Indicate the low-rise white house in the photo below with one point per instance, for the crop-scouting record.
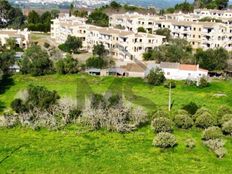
(177, 71)
(22, 37)
(172, 71)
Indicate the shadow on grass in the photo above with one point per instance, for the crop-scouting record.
(5, 84)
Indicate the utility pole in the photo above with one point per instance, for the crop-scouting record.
(170, 97)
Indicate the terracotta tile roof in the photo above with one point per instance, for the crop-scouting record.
(187, 67)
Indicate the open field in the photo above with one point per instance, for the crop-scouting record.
(134, 89)
(76, 150)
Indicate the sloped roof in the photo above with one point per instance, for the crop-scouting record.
(188, 67)
(134, 67)
(169, 65)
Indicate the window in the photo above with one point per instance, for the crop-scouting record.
(168, 73)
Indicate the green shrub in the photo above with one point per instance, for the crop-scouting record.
(96, 62)
(220, 152)
(212, 133)
(162, 124)
(225, 118)
(205, 120)
(170, 82)
(227, 127)
(191, 108)
(182, 112)
(201, 111)
(74, 113)
(156, 77)
(41, 97)
(214, 144)
(190, 143)
(160, 113)
(164, 140)
(190, 83)
(203, 82)
(223, 110)
(18, 106)
(183, 121)
(217, 146)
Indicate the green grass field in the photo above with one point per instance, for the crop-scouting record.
(76, 150)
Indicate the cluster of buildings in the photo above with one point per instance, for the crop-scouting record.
(122, 44)
(172, 71)
(22, 37)
(213, 33)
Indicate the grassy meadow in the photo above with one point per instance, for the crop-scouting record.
(78, 150)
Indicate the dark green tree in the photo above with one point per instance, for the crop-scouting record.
(212, 59)
(71, 45)
(141, 29)
(96, 62)
(7, 58)
(99, 50)
(40, 97)
(10, 15)
(98, 18)
(67, 65)
(33, 17)
(36, 61)
(156, 77)
(115, 5)
(164, 32)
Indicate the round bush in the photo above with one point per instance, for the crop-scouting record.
(168, 83)
(164, 140)
(201, 111)
(182, 112)
(191, 108)
(204, 120)
(223, 110)
(212, 133)
(227, 127)
(220, 152)
(190, 143)
(160, 113)
(162, 125)
(225, 118)
(183, 121)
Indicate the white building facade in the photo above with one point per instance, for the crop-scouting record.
(121, 44)
(185, 26)
(22, 37)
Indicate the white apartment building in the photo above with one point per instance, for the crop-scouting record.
(22, 37)
(213, 13)
(122, 44)
(186, 26)
(132, 21)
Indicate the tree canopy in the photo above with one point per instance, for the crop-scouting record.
(178, 50)
(99, 50)
(99, 18)
(7, 58)
(212, 59)
(68, 65)
(10, 16)
(71, 45)
(36, 61)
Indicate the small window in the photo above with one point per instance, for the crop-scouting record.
(168, 73)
